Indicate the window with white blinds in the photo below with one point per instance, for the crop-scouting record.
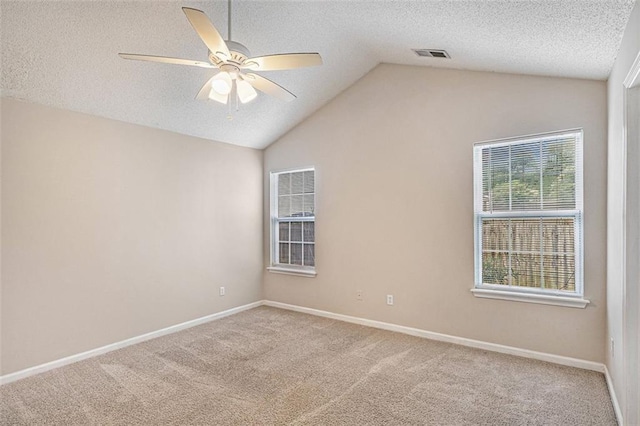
(293, 220)
(528, 214)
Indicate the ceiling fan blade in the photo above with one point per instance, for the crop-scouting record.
(204, 92)
(166, 60)
(269, 87)
(284, 61)
(207, 32)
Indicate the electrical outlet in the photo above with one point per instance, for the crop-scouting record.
(222, 291)
(389, 299)
(359, 295)
(612, 349)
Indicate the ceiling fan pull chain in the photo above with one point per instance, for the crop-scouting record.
(236, 96)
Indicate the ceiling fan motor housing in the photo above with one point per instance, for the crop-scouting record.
(239, 53)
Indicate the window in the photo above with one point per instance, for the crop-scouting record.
(293, 222)
(528, 219)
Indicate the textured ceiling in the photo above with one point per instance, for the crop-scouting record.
(64, 54)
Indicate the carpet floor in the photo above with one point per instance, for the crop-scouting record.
(269, 366)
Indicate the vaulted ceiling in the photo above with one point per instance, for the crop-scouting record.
(64, 54)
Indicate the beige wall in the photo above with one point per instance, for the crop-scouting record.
(629, 49)
(111, 230)
(393, 158)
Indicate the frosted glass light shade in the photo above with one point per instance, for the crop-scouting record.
(221, 83)
(215, 96)
(246, 92)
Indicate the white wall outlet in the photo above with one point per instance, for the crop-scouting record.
(612, 348)
(389, 299)
(359, 295)
(222, 291)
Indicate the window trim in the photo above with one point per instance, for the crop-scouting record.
(274, 266)
(531, 297)
(529, 294)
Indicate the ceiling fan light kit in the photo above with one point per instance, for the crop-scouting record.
(222, 83)
(231, 61)
(246, 92)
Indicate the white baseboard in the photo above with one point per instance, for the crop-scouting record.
(557, 359)
(614, 398)
(494, 347)
(12, 377)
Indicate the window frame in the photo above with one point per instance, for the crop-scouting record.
(519, 293)
(274, 221)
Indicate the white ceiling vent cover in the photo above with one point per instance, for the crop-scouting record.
(432, 53)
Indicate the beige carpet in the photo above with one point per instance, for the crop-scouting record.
(268, 366)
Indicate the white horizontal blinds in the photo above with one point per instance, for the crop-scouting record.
(559, 254)
(308, 189)
(296, 194)
(529, 252)
(525, 176)
(283, 241)
(559, 171)
(525, 238)
(309, 240)
(295, 218)
(495, 177)
(284, 195)
(296, 243)
(537, 175)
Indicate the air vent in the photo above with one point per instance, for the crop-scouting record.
(432, 53)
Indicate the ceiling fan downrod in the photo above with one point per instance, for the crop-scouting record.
(229, 20)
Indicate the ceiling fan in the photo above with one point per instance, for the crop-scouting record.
(232, 62)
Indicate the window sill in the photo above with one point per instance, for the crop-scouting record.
(545, 299)
(310, 273)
